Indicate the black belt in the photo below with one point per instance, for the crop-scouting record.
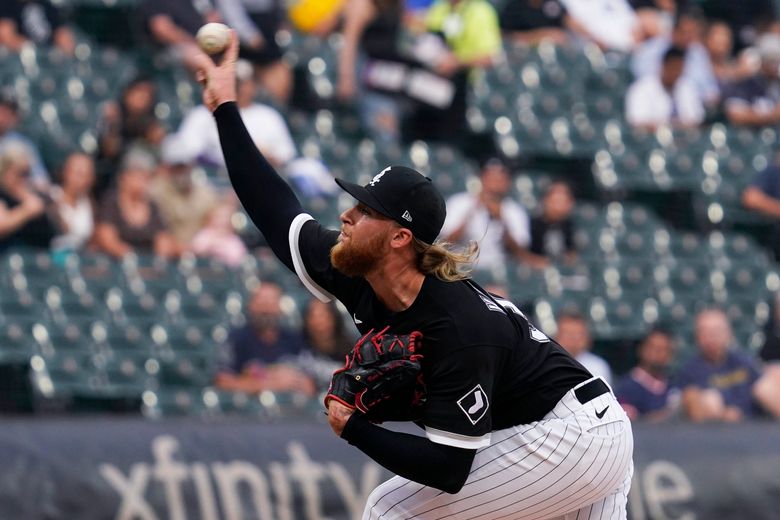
(591, 390)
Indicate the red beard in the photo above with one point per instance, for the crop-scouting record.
(358, 259)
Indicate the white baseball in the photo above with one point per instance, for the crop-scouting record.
(213, 37)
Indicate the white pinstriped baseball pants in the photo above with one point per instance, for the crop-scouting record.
(570, 465)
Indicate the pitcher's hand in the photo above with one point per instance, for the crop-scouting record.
(218, 80)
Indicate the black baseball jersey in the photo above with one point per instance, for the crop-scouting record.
(483, 370)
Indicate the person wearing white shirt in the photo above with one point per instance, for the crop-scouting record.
(669, 98)
(198, 131)
(573, 334)
(490, 218)
(612, 24)
(687, 35)
(74, 204)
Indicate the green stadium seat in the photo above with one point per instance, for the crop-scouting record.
(52, 338)
(747, 309)
(18, 306)
(182, 369)
(735, 248)
(525, 284)
(128, 306)
(123, 336)
(125, 373)
(682, 247)
(184, 338)
(549, 307)
(64, 374)
(221, 402)
(740, 279)
(17, 344)
(66, 306)
(626, 276)
(617, 319)
(682, 280)
(173, 402)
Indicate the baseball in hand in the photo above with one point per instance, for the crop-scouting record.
(213, 38)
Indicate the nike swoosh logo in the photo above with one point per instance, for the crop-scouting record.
(357, 321)
(476, 406)
(602, 412)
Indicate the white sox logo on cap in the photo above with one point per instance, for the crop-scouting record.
(404, 195)
(378, 176)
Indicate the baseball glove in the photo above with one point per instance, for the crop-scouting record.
(382, 377)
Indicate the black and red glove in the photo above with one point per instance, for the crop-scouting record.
(382, 377)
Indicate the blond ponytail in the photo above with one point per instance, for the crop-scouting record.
(445, 263)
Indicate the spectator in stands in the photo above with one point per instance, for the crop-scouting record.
(75, 206)
(34, 21)
(655, 17)
(197, 134)
(763, 197)
(755, 101)
(646, 392)
(770, 351)
(722, 383)
(9, 119)
(256, 22)
(124, 121)
(26, 215)
(687, 35)
(172, 25)
(327, 339)
(218, 238)
(534, 21)
(574, 335)
(552, 231)
(257, 356)
(128, 220)
(668, 99)
(472, 35)
(490, 218)
(611, 24)
(747, 18)
(184, 201)
(149, 143)
(727, 68)
(371, 30)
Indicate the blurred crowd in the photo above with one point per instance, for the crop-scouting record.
(406, 66)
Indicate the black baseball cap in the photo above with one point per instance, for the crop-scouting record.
(406, 196)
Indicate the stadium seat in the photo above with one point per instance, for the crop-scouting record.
(17, 344)
(735, 248)
(186, 338)
(18, 306)
(172, 402)
(525, 284)
(221, 402)
(52, 338)
(125, 373)
(617, 319)
(128, 306)
(64, 374)
(64, 306)
(682, 280)
(182, 369)
(548, 308)
(112, 336)
(624, 276)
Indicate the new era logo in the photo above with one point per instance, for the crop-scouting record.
(407, 216)
(474, 404)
